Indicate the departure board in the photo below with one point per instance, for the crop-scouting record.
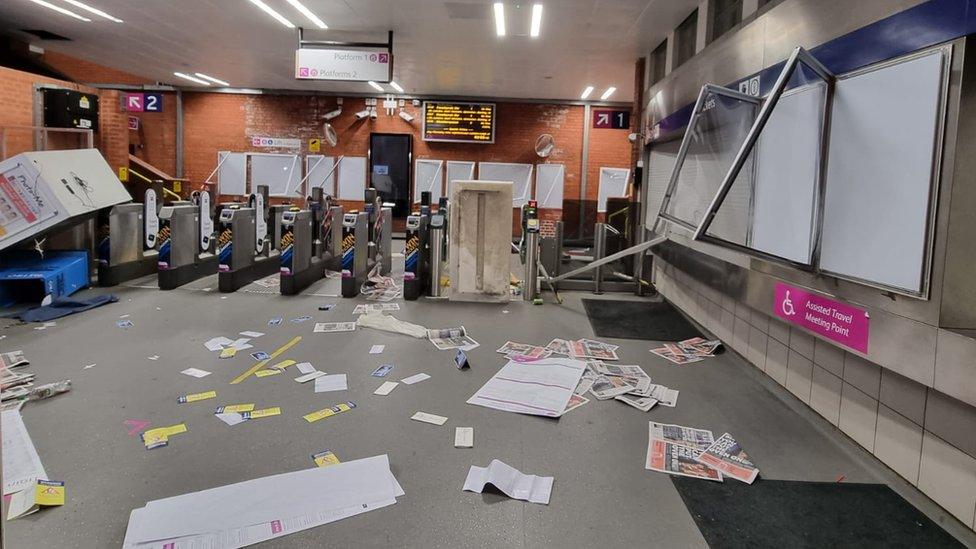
(459, 122)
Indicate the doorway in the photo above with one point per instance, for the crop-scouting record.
(390, 161)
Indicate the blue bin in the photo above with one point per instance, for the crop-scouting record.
(27, 277)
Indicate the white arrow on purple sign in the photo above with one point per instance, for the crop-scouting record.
(603, 119)
(133, 102)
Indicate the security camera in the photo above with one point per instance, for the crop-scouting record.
(333, 114)
(633, 137)
(406, 116)
(362, 114)
(372, 113)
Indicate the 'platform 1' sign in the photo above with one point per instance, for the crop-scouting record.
(611, 119)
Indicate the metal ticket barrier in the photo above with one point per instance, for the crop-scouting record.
(415, 256)
(443, 208)
(243, 249)
(530, 251)
(185, 242)
(355, 250)
(127, 241)
(436, 252)
(309, 243)
(383, 239)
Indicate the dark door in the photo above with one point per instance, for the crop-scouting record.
(390, 159)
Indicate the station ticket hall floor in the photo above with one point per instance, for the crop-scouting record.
(602, 494)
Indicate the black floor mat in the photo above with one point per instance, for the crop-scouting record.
(779, 513)
(638, 320)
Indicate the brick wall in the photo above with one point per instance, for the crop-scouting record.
(215, 122)
(17, 99)
(87, 72)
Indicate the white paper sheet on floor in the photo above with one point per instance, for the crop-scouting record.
(509, 480)
(387, 323)
(541, 387)
(248, 512)
(21, 464)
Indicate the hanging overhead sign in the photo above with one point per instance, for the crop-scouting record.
(360, 65)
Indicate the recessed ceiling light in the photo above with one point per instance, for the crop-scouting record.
(96, 11)
(499, 18)
(396, 86)
(586, 92)
(278, 17)
(607, 93)
(192, 78)
(308, 13)
(211, 79)
(376, 86)
(59, 9)
(536, 20)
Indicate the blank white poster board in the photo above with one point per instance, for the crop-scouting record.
(352, 178)
(428, 176)
(660, 165)
(519, 174)
(549, 182)
(282, 173)
(320, 173)
(613, 184)
(787, 170)
(458, 170)
(879, 176)
(232, 174)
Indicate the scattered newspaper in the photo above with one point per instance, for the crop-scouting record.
(452, 338)
(329, 327)
(674, 449)
(641, 403)
(586, 348)
(607, 387)
(633, 374)
(585, 383)
(560, 347)
(364, 308)
(664, 396)
(575, 401)
(688, 351)
(730, 459)
(523, 349)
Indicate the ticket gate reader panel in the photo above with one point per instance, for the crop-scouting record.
(124, 251)
(180, 258)
(355, 249)
(415, 257)
(239, 262)
(298, 267)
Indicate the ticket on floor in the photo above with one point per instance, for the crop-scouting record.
(429, 418)
(196, 396)
(266, 412)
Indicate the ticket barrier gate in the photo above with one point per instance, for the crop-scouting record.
(310, 244)
(355, 252)
(185, 243)
(127, 241)
(243, 250)
(415, 256)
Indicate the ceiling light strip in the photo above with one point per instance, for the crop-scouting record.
(308, 14)
(536, 27)
(96, 11)
(586, 92)
(396, 86)
(192, 78)
(211, 79)
(376, 86)
(606, 95)
(277, 16)
(59, 9)
(499, 8)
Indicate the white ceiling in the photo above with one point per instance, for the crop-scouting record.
(440, 47)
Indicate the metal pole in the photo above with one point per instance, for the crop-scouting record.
(599, 249)
(587, 113)
(530, 288)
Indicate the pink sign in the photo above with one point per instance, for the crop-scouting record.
(276, 527)
(830, 319)
(134, 102)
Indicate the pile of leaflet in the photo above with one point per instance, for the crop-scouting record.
(261, 509)
(689, 350)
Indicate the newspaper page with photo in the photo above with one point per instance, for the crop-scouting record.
(727, 456)
(674, 459)
(699, 439)
(452, 338)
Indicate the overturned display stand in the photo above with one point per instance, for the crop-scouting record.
(481, 243)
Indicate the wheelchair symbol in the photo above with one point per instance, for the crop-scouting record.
(788, 305)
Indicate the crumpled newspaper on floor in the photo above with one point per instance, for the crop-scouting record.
(387, 323)
(380, 288)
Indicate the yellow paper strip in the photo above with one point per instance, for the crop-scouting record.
(228, 352)
(283, 364)
(267, 412)
(294, 341)
(266, 373)
(196, 397)
(234, 408)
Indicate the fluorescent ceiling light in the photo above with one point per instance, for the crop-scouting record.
(499, 19)
(90, 9)
(59, 9)
(211, 79)
(267, 9)
(192, 78)
(396, 86)
(586, 92)
(536, 20)
(376, 86)
(607, 93)
(307, 13)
